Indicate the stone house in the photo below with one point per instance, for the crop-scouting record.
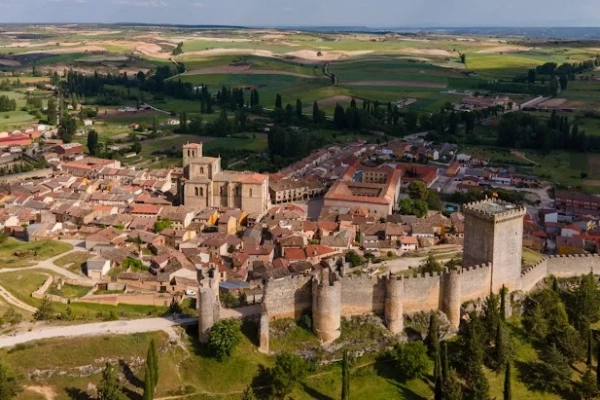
(98, 267)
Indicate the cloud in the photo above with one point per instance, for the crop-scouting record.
(197, 5)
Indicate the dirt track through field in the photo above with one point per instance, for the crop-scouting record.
(424, 84)
(245, 70)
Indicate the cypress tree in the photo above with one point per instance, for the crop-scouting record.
(503, 303)
(598, 367)
(432, 340)
(439, 389)
(500, 347)
(278, 101)
(148, 384)
(154, 354)
(346, 364)
(507, 388)
(589, 348)
(445, 368)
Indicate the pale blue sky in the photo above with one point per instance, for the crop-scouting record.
(372, 13)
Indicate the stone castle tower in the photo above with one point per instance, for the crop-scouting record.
(494, 235)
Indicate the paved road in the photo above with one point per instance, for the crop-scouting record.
(95, 329)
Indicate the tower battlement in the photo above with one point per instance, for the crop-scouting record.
(494, 210)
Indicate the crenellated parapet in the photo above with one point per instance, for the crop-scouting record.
(494, 210)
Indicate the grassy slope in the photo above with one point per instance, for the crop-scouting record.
(38, 251)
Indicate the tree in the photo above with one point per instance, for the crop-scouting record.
(531, 76)
(410, 120)
(453, 389)
(598, 368)
(45, 311)
(161, 225)
(507, 393)
(429, 266)
(490, 316)
(586, 299)
(109, 388)
(224, 337)
(249, 394)
(433, 336)
(587, 386)
(92, 142)
(148, 383)
(501, 351)
(411, 359)
(589, 348)
(67, 128)
(316, 114)
(347, 362)
(278, 102)
(555, 370)
(417, 190)
(288, 370)
(8, 382)
(339, 118)
(463, 58)
(299, 109)
(152, 361)
(444, 358)
(51, 111)
(503, 293)
(353, 258)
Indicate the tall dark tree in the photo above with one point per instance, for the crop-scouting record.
(503, 293)
(316, 113)
(346, 365)
(507, 393)
(153, 363)
(433, 339)
(598, 367)
(531, 76)
(278, 101)
(501, 348)
(51, 112)
(589, 348)
(339, 118)
(444, 356)
(491, 315)
(299, 110)
(148, 384)
(67, 128)
(92, 142)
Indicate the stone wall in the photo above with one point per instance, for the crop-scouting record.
(288, 297)
(421, 292)
(573, 265)
(532, 274)
(475, 282)
(362, 295)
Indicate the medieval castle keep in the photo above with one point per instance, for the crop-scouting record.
(492, 258)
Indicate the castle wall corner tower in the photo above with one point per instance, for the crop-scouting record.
(494, 234)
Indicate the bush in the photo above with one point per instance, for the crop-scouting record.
(411, 359)
(224, 337)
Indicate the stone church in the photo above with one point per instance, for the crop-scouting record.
(206, 185)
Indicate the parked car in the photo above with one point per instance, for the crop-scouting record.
(190, 292)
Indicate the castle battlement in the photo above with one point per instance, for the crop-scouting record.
(574, 256)
(532, 267)
(475, 267)
(494, 210)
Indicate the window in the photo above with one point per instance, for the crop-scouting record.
(202, 170)
(222, 190)
(196, 191)
(250, 193)
(189, 153)
(202, 192)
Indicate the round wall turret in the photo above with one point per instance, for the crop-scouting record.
(206, 312)
(326, 309)
(393, 308)
(451, 294)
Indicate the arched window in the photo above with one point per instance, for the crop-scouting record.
(202, 170)
(202, 192)
(222, 190)
(250, 193)
(189, 153)
(196, 191)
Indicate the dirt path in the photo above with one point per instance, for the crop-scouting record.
(46, 391)
(49, 265)
(522, 156)
(9, 298)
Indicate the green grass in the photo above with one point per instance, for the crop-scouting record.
(74, 261)
(69, 291)
(32, 251)
(531, 257)
(22, 284)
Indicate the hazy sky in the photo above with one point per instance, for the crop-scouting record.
(372, 13)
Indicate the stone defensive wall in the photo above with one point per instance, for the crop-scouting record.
(328, 297)
(563, 266)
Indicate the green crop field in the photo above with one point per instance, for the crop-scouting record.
(15, 253)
